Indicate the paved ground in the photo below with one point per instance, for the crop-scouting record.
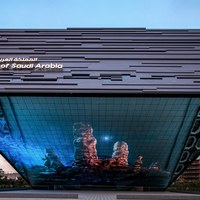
(94, 195)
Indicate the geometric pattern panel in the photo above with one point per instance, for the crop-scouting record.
(191, 149)
(94, 141)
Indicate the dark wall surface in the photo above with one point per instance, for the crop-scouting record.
(103, 60)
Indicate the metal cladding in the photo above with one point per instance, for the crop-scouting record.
(103, 60)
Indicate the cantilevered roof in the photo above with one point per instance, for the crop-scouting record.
(103, 60)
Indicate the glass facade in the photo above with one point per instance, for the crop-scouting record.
(94, 141)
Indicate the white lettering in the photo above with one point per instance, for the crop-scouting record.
(25, 59)
(6, 59)
(27, 63)
(22, 66)
(4, 66)
(49, 66)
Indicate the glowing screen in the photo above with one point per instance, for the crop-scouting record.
(109, 141)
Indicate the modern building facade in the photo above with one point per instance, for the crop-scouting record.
(108, 108)
(12, 175)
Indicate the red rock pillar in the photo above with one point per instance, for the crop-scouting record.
(119, 156)
(85, 145)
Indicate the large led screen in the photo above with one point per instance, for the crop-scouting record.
(95, 141)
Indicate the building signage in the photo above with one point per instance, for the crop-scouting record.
(27, 63)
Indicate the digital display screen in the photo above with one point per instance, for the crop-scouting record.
(108, 141)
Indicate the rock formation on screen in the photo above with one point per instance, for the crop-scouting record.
(87, 168)
(51, 160)
(120, 154)
(85, 152)
(138, 164)
(119, 157)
